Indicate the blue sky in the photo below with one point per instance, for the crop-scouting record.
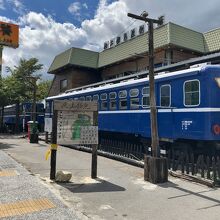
(48, 27)
(58, 9)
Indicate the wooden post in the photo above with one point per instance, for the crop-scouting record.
(94, 150)
(187, 163)
(202, 167)
(182, 162)
(208, 167)
(94, 162)
(214, 169)
(53, 146)
(46, 137)
(192, 165)
(218, 166)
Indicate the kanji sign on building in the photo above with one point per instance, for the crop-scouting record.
(9, 34)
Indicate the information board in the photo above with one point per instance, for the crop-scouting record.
(76, 124)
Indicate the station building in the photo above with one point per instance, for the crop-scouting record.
(176, 47)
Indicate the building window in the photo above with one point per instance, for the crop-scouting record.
(146, 97)
(192, 93)
(165, 95)
(63, 85)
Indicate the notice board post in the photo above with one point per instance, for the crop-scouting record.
(94, 150)
(75, 123)
(53, 146)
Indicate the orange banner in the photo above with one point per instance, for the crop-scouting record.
(9, 34)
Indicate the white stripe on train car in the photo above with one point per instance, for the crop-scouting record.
(163, 110)
(159, 110)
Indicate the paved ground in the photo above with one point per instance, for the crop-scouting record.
(118, 193)
(23, 196)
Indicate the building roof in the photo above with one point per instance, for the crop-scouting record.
(75, 56)
(166, 35)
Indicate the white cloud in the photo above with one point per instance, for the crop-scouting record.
(43, 38)
(75, 8)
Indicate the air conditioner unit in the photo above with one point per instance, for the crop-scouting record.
(118, 40)
(133, 33)
(112, 42)
(141, 29)
(106, 45)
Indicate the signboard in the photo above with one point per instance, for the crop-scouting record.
(9, 34)
(67, 105)
(76, 122)
(48, 125)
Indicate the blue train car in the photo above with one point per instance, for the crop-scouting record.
(188, 108)
(25, 111)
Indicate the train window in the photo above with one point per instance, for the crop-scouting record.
(104, 105)
(192, 93)
(165, 95)
(112, 95)
(113, 104)
(134, 92)
(82, 98)
(123, 104)
(146, 97)
(146, 91)
(95, 97)
(134, 103)
(103, 96)
(88, 98)
(122, 94)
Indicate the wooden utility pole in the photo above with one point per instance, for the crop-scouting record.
(153, 109)
(155, 168)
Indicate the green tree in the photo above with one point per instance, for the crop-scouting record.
(43, 89)
(20, 86)
(20, 82)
